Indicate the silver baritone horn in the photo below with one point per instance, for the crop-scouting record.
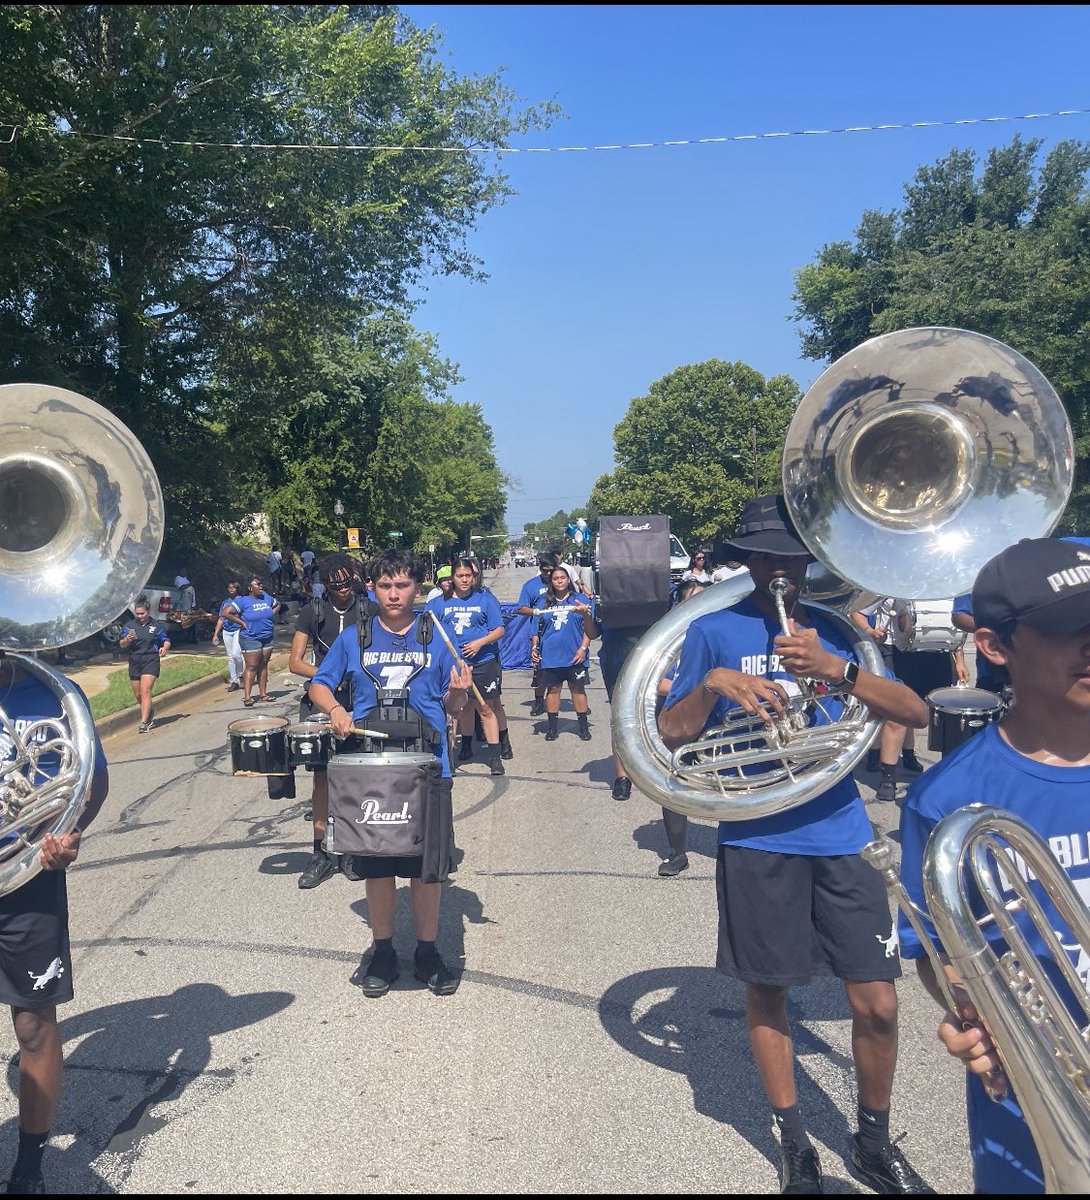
(1044, 1050)
(81, 526)
(910, 462)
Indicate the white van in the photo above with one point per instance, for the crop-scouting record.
(679, 558)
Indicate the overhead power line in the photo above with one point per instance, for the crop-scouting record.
(355, 148)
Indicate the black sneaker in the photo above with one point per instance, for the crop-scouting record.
(800, 1170)
(506, 753)
(320, 867)
(466, 751)
(674, 865)
(26, 1185)
(348, 867)
(887, 789)
(537, 708)
(552, 735)
(584, 734)
(232, 687)
(430, 969)
(495, 767)
(622, 789)
(888, 1171)
(911, 763)
(375, 975)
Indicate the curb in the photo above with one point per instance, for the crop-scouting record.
(176, 698)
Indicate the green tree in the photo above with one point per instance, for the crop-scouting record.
(703, 440)
(150, 227)
(1002, 248)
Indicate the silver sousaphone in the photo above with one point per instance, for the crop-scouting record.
(81, 526)
(911, 461)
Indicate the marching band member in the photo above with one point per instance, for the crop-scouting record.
(795, 898)
(435, 687)
(147, 644)
(319, 624)
(560, 645)
(1031, 607)
(529, 598)
(472, 617)
(35, 960)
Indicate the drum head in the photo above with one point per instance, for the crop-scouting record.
(382, 760)
(257, 724)
(963, 700)
(309, 729)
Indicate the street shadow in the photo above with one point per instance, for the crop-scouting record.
(700, 839)
(289, 862)
(600, 770)
(460, 907)
(692, 1020)
(127, 1059)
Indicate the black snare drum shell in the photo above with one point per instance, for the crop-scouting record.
(259, 746)
(956, 714)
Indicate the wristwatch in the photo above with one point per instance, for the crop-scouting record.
(848, 679)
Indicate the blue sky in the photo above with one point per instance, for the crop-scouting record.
(608, 270)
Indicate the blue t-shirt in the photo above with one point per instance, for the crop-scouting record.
(259, 614)
(741, 638)
(466, 620)
(391, 658)
(561, 629)
(532, 591)
(230, 621)
(1055, 801)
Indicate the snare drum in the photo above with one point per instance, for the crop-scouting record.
(956, 713)
(259, 746)
(309, 743)
(379, 803)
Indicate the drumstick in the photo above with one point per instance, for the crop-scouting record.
(438, 626)
(371, 733)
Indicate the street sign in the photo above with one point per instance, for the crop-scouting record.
(353, 538)
(396, 533)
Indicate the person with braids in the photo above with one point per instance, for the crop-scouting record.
(318, 625)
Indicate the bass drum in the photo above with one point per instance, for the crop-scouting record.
(259, 746)
(956, 713)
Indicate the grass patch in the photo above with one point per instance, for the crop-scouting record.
(117, 694)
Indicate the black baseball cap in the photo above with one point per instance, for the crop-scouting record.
(1040, 582)
(766, 528)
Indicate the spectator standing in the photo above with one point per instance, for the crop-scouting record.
(231, 630)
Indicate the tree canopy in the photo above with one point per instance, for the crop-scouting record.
(703, 440)
(1000, 247)
(180, 239)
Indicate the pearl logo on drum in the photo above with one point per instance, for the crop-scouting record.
(372, 814)
(630, 528)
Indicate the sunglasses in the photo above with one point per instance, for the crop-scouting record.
(339, 585)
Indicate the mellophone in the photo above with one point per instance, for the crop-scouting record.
(263, 746)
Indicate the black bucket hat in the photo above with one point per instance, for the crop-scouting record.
(766, 528)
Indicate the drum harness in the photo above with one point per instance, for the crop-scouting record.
(406, 730)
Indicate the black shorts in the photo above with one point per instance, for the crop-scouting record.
(786, 917)
(35, 959)
(924, 670)
(611, 658)
(143, 666)
(488, 676)
(555, 676)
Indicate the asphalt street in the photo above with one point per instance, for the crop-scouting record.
(217, 1045)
